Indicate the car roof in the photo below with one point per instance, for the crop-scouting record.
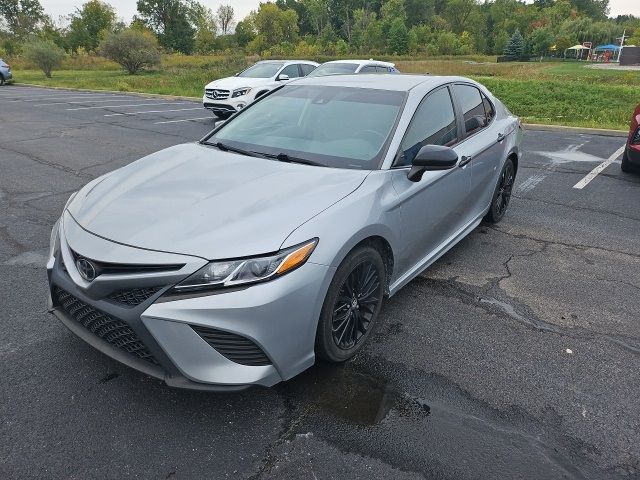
(400, 83)
(364, 62)
(287, 61)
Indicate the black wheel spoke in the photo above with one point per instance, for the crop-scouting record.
(356, 304)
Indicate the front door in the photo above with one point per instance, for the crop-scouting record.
(437, 206)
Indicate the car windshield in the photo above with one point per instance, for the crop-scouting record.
(334, 69)
(343, 127)
(261, 70)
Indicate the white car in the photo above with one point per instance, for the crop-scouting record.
(226, 96)
(350, 67)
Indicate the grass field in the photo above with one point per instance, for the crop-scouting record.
(561, 93)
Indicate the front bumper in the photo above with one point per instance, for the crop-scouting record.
(227, 106)
(278, 317)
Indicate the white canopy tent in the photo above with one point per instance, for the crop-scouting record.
(577, 48)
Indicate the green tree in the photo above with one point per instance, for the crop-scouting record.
(398, 37)
(595, 9)
(366, 35)
(500, 42)
(458, 13)
(245, 33)
(131, 49)
(44, 54)
(540, 41)
(275, 26)
(206, 29)
(89, 24)
(170, 19)
(515, 47)
(22, 17)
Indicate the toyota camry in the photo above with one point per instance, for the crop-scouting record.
(272, 242)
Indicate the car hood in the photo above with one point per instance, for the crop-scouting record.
(231, 83)
(196, 200)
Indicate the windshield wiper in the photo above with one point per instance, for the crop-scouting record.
(283, 157)
(227, 148)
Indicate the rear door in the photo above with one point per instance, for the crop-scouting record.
(437, 206)
(480, 144)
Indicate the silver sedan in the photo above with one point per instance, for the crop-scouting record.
(241, 259)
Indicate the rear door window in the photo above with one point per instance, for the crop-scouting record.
(307, 69)
(291, 71)
(472, 106)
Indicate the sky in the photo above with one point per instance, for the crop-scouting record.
(127, 8)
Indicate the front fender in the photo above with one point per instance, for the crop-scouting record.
(370, 211)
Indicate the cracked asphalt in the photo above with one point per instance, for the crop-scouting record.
(516, 355)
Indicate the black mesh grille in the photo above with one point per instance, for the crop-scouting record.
(108, 328)
(234, 347)
(134, 296)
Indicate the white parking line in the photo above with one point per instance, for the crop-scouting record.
(81, 102)
(210, 117)
(530, 183)
(152, 111)
(125, 106)
(75, 97)
(594, 173)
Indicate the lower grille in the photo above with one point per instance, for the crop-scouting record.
(234, 347)
(134, 296)
(106, 327)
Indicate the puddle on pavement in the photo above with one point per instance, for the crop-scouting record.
(357, 397)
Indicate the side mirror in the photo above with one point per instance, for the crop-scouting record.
(237, 74)
(282, 78)
(431, 158)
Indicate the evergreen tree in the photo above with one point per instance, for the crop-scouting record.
(515, 47)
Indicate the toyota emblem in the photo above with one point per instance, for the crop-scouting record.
(86, 269)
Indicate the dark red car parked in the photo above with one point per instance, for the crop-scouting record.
(631, 157)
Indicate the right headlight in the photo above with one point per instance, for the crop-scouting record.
(239, 92)
(230, 273)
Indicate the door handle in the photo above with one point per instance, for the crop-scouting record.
(501, 137)
(464, 160)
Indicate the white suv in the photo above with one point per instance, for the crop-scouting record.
(226, 96)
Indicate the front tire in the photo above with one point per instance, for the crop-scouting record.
(352, 305)
(502, 193)
(223, 116)
(1, 80)
(626, 166)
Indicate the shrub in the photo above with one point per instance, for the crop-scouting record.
(131, 49)
(44, 54)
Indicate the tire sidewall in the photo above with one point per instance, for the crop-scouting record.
(326, 348)
(493, 215)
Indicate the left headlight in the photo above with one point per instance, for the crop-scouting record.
(239, 92)
(230, 273)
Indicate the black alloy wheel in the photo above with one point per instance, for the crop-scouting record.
(351, 307)
(502, 193)
(355, 306)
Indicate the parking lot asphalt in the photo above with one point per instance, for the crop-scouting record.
(517, 355)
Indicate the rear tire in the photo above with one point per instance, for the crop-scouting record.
(626, 166)
(1, 80)
(351, 308)
(502, 193)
